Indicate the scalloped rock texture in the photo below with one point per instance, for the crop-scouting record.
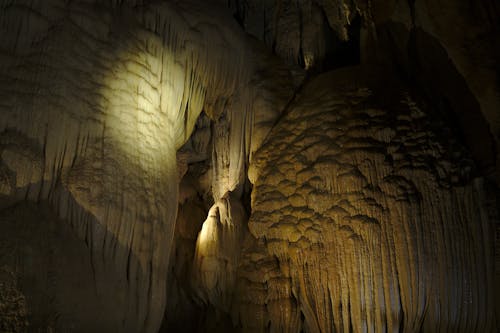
(450, 48)
(373, 228)
(341, 202)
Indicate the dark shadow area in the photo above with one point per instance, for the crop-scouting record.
(420, 60)
(344, 53)
(66, 285)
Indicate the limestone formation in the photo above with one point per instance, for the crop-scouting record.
(249, 166)
(357, 213)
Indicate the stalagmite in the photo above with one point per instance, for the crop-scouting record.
(218, 251)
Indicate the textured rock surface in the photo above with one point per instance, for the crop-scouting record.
(448, 50)
(307, 33)
(218, 251)
(372, 220)
(103, 98)
(338, 203)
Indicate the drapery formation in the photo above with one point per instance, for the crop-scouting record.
(342, 201)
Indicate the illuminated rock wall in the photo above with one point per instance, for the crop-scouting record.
(94, 103)
(369, 217)
(344, 202)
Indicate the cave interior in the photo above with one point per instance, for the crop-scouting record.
(249, 166)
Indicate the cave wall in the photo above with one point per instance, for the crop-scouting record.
(427, 46)
(448, 50)
(50, 280)
(96, 98)
(375, 227)
(363, 199)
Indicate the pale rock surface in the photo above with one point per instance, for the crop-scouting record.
(218, 251)
(365, 216)
(372, 224)
(105, 97)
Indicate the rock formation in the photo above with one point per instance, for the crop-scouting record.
(253, 166)
(345, 209)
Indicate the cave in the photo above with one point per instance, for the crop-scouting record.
(249, 166)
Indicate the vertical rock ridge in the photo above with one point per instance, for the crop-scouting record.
(109, 95)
